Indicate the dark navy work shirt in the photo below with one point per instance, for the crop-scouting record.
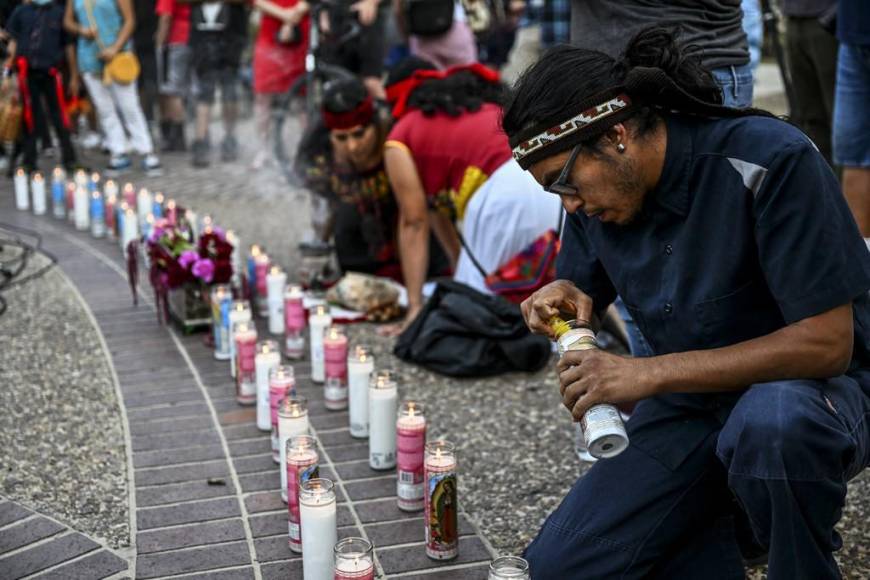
(39, 34)
(746, 232)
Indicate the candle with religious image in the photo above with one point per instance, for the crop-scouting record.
(221, 302)
(383, 407)
(318, 321)
(276, 281)
(37, 190)
(282, 384)
(508, 568)
(267, 358)
(360, 365)
(58, 190)
(440, 503)
(354, 559)
(261, 271)
(335, 369)
(22, 194)
(157, 206)
(240, 311)
(251, 273)
(294, 323)
(410, 443)
(317, 514)
(98, 215)
(302, 466)
(245, 338)
(292, 422)
(81, 208)
(172, 212)
(111, 203)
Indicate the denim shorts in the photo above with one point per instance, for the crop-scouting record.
(851, 139)
(736, 85)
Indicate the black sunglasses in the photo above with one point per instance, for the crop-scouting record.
(561, 185)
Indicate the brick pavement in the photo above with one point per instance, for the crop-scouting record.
(204, 489)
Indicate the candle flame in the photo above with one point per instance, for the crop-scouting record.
(111, 198)
(128, 186)
(437, 453)
(158, 197)
(20, 172)
(255, 250)
(58, 172)
(275, 270)
(150, 218)
(143, 191)
(411, 409)
(37, 176)
(95, 195)
(170, 204)
(95, 176)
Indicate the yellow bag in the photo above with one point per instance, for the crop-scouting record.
(123, 69)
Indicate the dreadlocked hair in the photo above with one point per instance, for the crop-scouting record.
(655, 69)
(344, 95)
(459, 93)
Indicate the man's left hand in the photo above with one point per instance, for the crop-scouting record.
(367, 11)
(591, 377)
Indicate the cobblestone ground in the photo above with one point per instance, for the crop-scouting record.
(186, 429)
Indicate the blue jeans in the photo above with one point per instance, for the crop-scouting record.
(851, 140)
(736, 85)
(777, 455)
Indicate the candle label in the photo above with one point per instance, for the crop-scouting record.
(246, 380)
(297, 475)
(277, 391)
(294, 314)
(382, 460)
(221, 317)
(409, 463)
(294, 345)
(442, 531)
(335, 369)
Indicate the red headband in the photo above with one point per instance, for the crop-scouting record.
(399, 93)
(362, 115)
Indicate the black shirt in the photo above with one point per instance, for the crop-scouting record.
(39, 34)
(746, 232)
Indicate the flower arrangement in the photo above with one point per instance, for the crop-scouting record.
(176, 260)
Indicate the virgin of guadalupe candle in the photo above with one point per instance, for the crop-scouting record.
(383, 402)
(292, 422)
(294, 323)
(22, 195)
(302, 466)
(81, 208)
(317, 514)
(98, 215)
(58, 204)
(37, 190)
(410, 443)
(157, 207)
(239, 312)
(335, 369)
(268, 357)
(508, 568)
(354, 560)
(360, 365)
(261, 269)
(221, 301)
(439, 476)
(276, 280)
(318, 322)
(282, 384)
(245, 336)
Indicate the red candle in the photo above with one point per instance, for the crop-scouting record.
(301, 466)
(282, 383)
(246, 351)
(410, 442)
(335, 369)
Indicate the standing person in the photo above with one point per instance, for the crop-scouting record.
(37, 45)
(279, 59)
(450, 166)
(104, 28)
(364, 54)
(706, 220)
(851, 117)
(218, 32)
(146, 50)
(455, 47)
(811, 50)
(173, 66)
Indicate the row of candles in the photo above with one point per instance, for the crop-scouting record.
(426, 472)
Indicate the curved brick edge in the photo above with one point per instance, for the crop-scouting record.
(33, 545)
(206, 489)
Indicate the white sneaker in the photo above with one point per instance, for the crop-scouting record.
(151, 165)
(91, 140)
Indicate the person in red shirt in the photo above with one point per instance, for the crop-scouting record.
(451, 170)
(173, 54)
(279, 58)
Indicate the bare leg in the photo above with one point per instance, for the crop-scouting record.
(856, 188)
(263, 117)
(203, 114)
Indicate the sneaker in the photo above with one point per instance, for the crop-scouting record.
(91, 140)
(151, 165)
(117, 165)
(229, 149)
(201, 153)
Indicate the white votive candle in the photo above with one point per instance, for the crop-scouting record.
(360, 365)
(130, 231)
(282, 383)
(317, 511)
(245, 341)
(383, 406)
(37, 190)
(239, 312)
(318, 322)
(276, 280)
(354, 560)
(292, 422)
(144, 205)
(302, 465)
(268, 357)
(81, 208)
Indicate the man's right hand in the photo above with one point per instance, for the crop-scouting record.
(551, 300)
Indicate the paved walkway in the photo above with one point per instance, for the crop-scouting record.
(205, 491)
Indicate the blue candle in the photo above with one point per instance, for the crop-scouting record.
(98, 210)
(93, 182)
(157, 206)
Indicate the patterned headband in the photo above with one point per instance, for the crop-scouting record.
(546, 139)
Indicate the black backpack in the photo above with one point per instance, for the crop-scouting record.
(429, 17)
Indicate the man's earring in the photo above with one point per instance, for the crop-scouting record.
(620, 147)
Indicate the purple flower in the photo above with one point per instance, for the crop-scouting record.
(219, 232)
(156, 234)
(204, 270)
(187, 258)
